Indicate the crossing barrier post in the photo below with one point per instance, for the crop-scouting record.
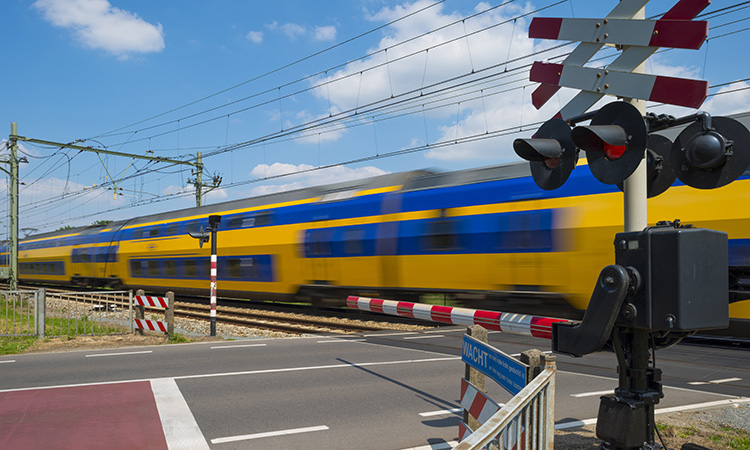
(169, 313)
(140, 310)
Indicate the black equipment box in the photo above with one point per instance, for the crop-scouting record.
(682, 278)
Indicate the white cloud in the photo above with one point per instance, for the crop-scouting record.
(49, 203)
(98, 25)
(255, 36)
(657, 65)
(326, 33)
(449, 55)
(728, 100)
(329, 133)
(304, 175)
(293, 30)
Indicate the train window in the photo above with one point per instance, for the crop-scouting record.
(153, 268)
(136, 268)
(170, 268)
(203, 268)
(189, 267)
(441, 235)
(172, 228)
(154, 231)
(354, 241)
(319, 242)
(112, 254)
(263, 219)
(248, 222)
(234, 268)
(138, 233)
(235, 222)
(250, 269)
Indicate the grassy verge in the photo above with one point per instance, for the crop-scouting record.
(15, 320)
(707, 434)
(15, 344)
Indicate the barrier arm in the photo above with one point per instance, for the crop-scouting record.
(511, 323)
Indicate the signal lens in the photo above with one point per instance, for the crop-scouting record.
(552, 163)
(613, 151)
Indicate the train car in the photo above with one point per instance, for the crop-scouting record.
(485, 237)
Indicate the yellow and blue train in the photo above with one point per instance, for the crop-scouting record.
(488, 237)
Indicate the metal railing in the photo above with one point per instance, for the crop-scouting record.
(526, 422)
(18, 313)
(87, 313)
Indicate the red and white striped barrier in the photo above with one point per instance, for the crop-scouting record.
(483, 408)
(477, 403)
(153, 325)
(510, 323)
(156, 302)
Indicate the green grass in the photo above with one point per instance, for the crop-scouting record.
(177, 338)
(24, 322)
(15, 344)
(741, 443)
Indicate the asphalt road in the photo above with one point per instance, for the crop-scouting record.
(376, 391)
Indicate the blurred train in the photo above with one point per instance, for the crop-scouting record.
(487, 238)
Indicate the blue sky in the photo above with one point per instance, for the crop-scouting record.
(269, 88)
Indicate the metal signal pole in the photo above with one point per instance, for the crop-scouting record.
(635, 187)
(213, 224)
(13, 244)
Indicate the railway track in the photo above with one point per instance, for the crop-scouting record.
(282, 318)
(281, 322)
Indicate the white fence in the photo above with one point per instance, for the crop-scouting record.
(18, 313)
(87, 313)
(42, 313)
(526, 422)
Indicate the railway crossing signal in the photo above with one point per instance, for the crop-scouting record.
(614, 142)
(667, 281)
(660, 175)
(711, 152)
(551, 152)
(204, 236)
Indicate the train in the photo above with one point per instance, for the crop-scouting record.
(487, 238)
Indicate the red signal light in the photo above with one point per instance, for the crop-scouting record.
(613, 152)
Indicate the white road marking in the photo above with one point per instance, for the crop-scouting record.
(332, 341)
(247, 437)
(574, 424)
(516, 355)
(249, 372)
(180, 428)
(591, 394)
(725, 380)
(440, 413)
(239, 346)
(300, 369)
(424, 337)
(118, 354)
(438, 446)
(698, 406)
(387, 334)
(8, 361)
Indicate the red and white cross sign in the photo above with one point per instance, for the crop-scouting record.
(639, 38)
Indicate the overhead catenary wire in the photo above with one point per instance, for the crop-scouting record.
(327, 82)
(383, 111)
(286, 66)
